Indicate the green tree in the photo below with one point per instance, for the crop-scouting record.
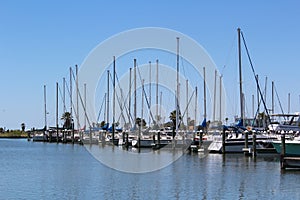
(23, 127)
(102, 123)
(140, 122)
(172, 117)
(67, 120)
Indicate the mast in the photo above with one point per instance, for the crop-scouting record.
(253, 106)
(156, 90)
(71, 103)
(289, 102)
(240, 74)
(114, 99)
(142, 115)
(64, 94)
(56, 111)
(177, 90)
(204, 92)
(45, 109)
(215, 93)
(85, 107)
(129, 98)
(107, 112)
(150, 92)
(160, 104)
(266, 83)
(196, 100)
(187, 100)
(258, 95)
(77, 98)
(220, 98)
(273, 98)
(134, 78)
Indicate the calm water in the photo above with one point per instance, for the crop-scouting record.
(57, 171)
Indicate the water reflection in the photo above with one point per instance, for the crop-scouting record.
(60, 171)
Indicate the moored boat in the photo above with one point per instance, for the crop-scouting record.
(292, 147)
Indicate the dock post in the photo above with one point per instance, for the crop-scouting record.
(246, 139)
(123, 138)
(64, 136)
(73, 133)
(223, 141)
(201, 138)
(158, 139)
(247, 151)
(254, 143)
(127, 140)
(283, 151)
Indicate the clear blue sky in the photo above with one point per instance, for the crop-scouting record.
(40, 40)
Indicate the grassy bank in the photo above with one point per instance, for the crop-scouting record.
(13, 134)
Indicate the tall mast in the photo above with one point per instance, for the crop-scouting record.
(114, 99)
(160, 104)
(142, 115)
(150, 92)
(77, 97)
(215, 93)
(177, 90)
(64, 94)
(85, 106)
(289, 103)
(196, 100)
(266, 83)
(204, 92)
(129, 95)
(156, 90)
(253, 106)
(187, 100)
(240, 74)
(107, 98)
(273, 97)
(56, 111)
(220, 99)
(45, 107)
(134, 78)
(71, 102)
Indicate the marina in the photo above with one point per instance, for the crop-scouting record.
(149, 100)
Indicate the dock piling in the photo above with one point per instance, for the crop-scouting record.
(223, 141)
(254, 143)
(283, 151)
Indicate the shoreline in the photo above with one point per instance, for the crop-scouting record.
(13, 137)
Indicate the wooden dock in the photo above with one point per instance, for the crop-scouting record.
(288, 161)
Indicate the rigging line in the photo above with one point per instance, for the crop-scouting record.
(257, 111)
(124, 104)
(119, 103)
(183, 68)
(101, 108)
(257, 83)
(184, 112)
(232, 47)
(279, 101)
(146, 98)
(121, 107)
(73, 106)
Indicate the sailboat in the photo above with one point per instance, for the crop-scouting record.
(238, 137)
